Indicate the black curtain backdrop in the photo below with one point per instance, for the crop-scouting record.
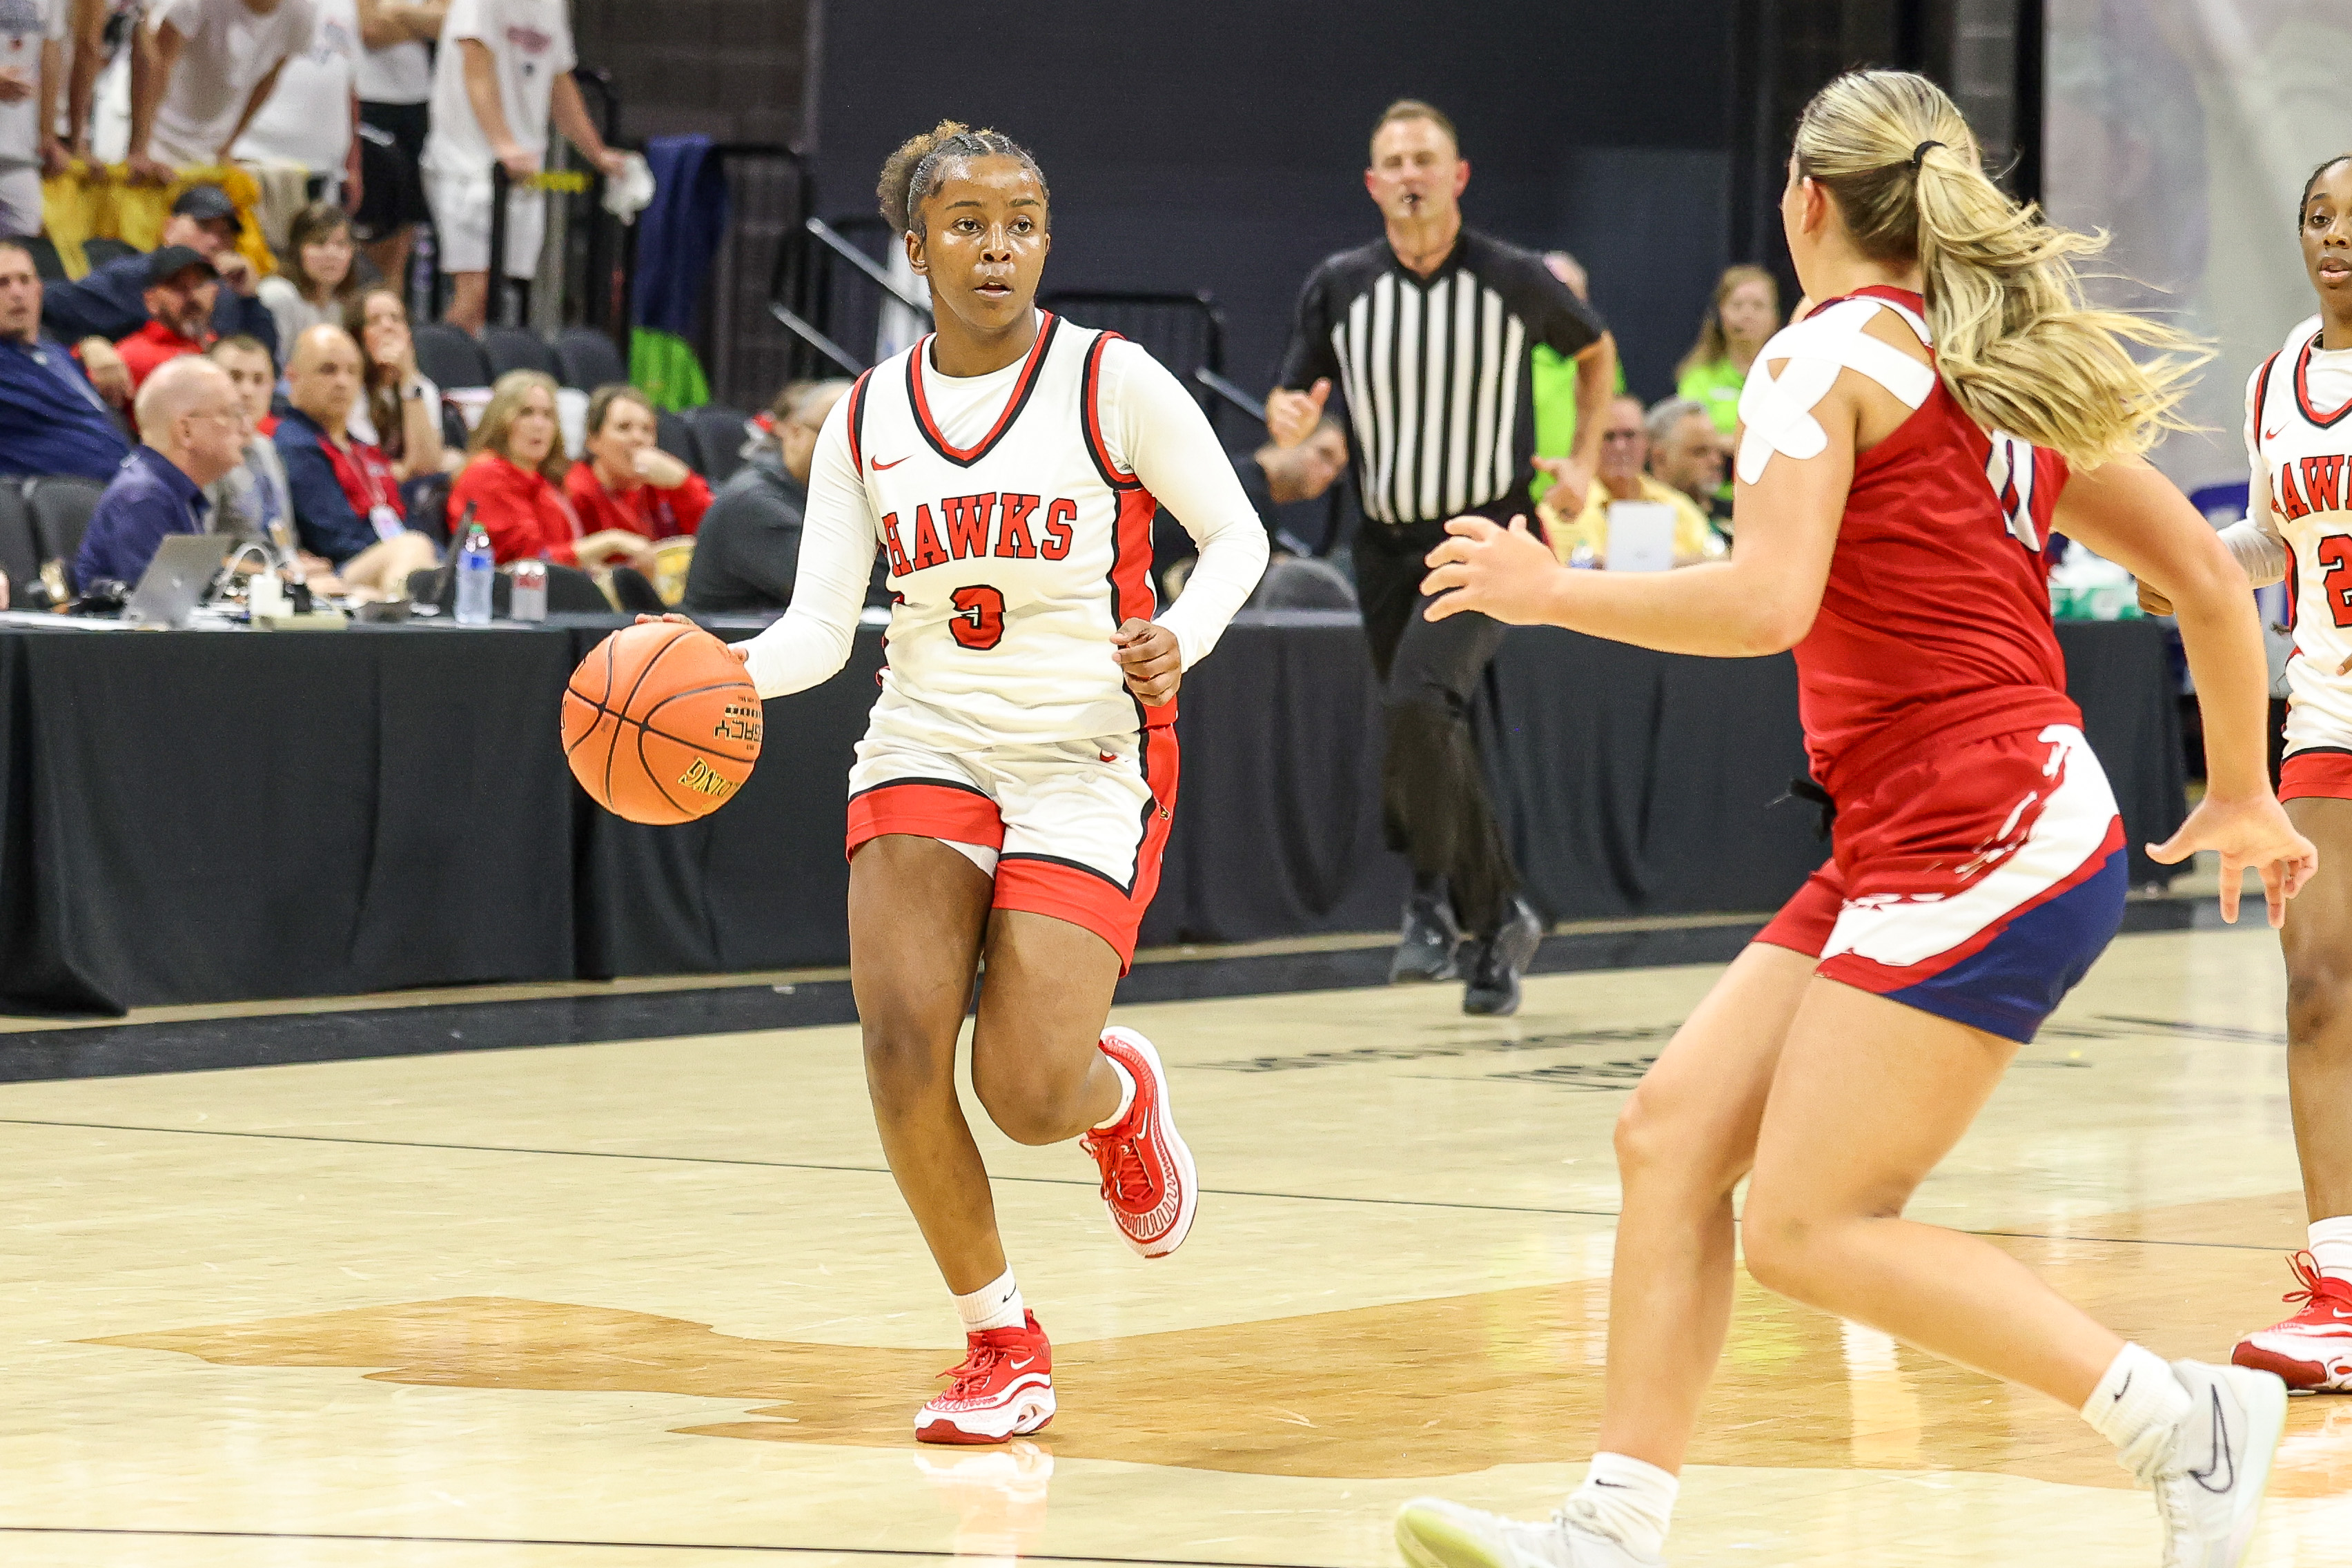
(190, 817)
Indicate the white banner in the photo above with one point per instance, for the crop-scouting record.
(2186, 129)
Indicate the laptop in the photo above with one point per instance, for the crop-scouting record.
(176, 580)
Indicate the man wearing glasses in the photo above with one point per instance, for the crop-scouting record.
(192, 432)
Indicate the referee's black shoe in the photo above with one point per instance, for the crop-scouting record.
(1432, 937)
(1496, 962)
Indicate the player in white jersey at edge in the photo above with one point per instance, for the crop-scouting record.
(1012, 796)
(2299, 526)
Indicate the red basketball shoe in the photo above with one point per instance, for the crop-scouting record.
(2313, 1350)
(1147, 1177)
(1004, 1388)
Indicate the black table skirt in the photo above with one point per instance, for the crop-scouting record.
(190, 817)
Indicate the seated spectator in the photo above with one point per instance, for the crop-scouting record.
(512, 481)
(211, 65)
(1624, 445)
(110, 302)
(191, 432)
(347, 508)
(1552, 378)
(251, 501)
(1272, 476)
(181, 289)
(628, 482)
(1740, 318)
(1687, 452)
(504, 70)
(400, 408)
(317, 286)
(53, 419)
(749, 549)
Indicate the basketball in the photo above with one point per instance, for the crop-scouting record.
(660, 723)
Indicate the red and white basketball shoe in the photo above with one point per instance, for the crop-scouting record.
(1148, 1178)
(1003, 1389)
(2313, 1350)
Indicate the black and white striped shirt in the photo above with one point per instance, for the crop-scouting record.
(1434, 370)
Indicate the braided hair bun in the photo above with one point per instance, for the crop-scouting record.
(915, 170)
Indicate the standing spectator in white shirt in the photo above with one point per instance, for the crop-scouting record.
(395, 82)
(308, 120)
(212, 65)
(505, 71)
(31, 66)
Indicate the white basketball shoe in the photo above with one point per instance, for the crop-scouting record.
(2209, 1489)
(1435, 1533)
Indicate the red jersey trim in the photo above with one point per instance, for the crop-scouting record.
(1090, 402)
(858, 422)
(2303, 389)
(2262, 395)
(965, 457)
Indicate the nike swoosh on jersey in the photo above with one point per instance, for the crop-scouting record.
(2271, 434)
(2223, 1464)
(879, 465)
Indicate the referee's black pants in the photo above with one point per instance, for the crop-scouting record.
(1433, 791)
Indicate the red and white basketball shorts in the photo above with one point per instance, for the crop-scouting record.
(1075, 829)
(2317, 772)
(1977, 884)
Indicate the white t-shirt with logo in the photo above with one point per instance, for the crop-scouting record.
(530, 44)
(24, 26)
(229, 49)
(308, 119)
(396, 73)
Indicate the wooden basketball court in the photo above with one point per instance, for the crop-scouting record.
(658, 1303)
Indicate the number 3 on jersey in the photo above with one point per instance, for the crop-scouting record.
(979, 620)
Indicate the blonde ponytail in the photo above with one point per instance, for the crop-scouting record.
(2015, 342)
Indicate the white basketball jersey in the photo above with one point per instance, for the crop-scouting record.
(2299, 432)
(1012, 561)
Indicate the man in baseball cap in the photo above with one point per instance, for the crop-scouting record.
(181, 287)
(110, 302)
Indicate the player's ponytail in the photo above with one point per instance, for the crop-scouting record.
(2015, 340)
(915, 170)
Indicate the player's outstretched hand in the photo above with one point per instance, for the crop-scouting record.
(742, 651)
(1150, 659)
(1291, 417)
(1504, 572)
(2252, 832)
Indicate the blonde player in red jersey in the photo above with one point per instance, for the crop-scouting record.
(1012, 796)
(2299, 526)
(1908, 446)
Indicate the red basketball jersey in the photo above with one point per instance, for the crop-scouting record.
(1935, 626)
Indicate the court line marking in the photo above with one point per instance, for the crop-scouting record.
(770, 1165)
(1033, 1181)
(925, 1554)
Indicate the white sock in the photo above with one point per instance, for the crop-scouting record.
(2331, 1244)
(995, 1305)
(2139, 1406)
(1627, 1499)
(1125, 1095)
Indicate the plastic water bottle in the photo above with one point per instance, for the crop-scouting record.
(476, 567)
(529, 591)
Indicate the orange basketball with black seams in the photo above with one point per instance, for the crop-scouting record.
(660, 723)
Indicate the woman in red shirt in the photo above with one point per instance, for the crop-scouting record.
(510, 481)
(628, 482)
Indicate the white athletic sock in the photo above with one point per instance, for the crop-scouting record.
(1628, 1501)
(2331, 1244)
(1125, 1094)
(2139, 1406)
(995, 1305)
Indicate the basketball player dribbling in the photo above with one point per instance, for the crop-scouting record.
(2299, 526)
(1016, 786)
(1908, 446)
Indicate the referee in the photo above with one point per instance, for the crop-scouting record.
(1428, 332)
